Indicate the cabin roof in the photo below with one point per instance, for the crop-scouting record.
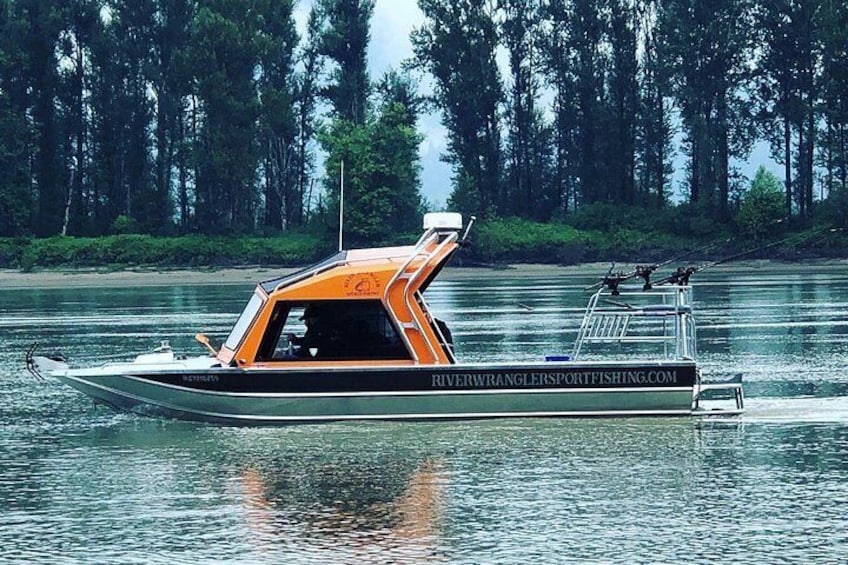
(377, 258)
(269, 285)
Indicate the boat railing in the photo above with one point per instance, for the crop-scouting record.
(661, 316)
(424, 251)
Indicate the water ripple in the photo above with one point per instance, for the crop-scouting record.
(82, 484)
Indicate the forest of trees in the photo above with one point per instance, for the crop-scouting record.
(221, 117)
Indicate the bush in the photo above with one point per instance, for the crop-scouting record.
(762, 208)
(517, 240)
(833, 210)
(608, 218)
(186, 251)
(11, 250)
(123, 225)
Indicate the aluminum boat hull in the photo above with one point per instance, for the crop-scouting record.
(273, 396)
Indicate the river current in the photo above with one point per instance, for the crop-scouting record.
(81, 484)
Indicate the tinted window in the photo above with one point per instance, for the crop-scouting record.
(331, 330)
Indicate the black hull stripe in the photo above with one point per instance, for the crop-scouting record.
(447, 379)
(393, 393)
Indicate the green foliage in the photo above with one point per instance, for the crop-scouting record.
(382, 187)
(762, 207)
(513, 240)
(226, 52)
(609, 217)
(683, 220)
(11, 250)
(123, 225)
(834, 210)
(516, 240)
(381, 179)
(345, 42)
(508, 240)
(145, 250)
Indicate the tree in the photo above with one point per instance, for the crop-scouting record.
(832, 26)
(762, 207)
(278, 129)
(382, 167)
(576, 51)
(106, 199)
(344, 42)
(528, 153)
(16, 131)
(134, 24)
(396, 142)
(558, 66)
(623, 102)
(225, 55)
(82, 17)
(707, 44)
(44, 24)
(305, 101)
(787, 94)
(654, 128)
(457, 45)
(587, 36)
(170, 80)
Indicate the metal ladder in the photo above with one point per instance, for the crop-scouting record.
(733, 391)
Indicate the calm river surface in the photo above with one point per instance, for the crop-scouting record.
(81, 484)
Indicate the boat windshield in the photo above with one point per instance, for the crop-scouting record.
(244, 321)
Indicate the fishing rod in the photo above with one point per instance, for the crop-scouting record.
(613, 280)
(682, 274)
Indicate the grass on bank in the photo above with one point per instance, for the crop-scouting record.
(603, 235)
(116, 251)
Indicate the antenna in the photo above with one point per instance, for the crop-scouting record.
(341, 204)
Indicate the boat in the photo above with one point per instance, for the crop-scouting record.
(352, 338)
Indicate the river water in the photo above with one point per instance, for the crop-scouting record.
(79, 483)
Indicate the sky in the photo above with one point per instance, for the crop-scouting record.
(391, 25)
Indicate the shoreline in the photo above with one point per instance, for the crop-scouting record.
(251, 275)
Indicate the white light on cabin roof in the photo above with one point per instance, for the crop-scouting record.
(443, 220)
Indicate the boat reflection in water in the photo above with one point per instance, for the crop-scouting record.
(390, 514)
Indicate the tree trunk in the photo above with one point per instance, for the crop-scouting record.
(695, 170)
(802, 169)
(722, 171)
(809, 162)
(787, 165)
(843, 159)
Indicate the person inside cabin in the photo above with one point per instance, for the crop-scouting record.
(314, 339)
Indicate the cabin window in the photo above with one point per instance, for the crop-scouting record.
(244, 321)
(341, 330)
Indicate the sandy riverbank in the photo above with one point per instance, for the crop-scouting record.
(248, 276)
(241, 276)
